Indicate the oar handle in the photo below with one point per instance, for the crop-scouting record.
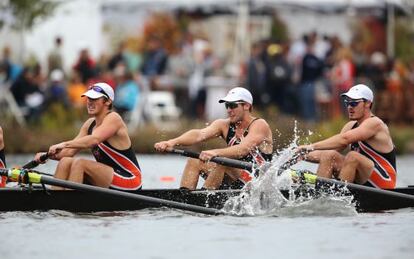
(218, 160)
(34, 163)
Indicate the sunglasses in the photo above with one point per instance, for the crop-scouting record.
(352, 103)
(232, 105)
(100, 90)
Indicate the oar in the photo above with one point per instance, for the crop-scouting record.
(313, 179)
(218, 160)
(34, 177)
(309, 178)
(34, 163)
(233, 162)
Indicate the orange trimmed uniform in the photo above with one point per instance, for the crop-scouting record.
(127, 173)
(3, 179)
(255, 156)
(384, 175)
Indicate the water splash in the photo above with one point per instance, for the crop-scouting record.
(274, 193)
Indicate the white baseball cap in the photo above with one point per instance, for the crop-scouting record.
(99, 90)
(360, 92)
(56, 75)
(238, 94)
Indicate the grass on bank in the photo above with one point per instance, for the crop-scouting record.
(60, 124)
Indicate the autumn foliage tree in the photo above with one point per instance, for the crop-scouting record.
(164, 27)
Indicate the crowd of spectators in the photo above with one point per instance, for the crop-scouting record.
(307, 76)
(303, 78)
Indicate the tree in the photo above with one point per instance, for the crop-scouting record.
(24, 14)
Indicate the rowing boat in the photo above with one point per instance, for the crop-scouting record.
(21, 199)
(85, 198)
(37, 199)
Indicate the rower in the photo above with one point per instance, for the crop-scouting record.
(3, 179)
(106, 134)
(371, 160)
(248, 138)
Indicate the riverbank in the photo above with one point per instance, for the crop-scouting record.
(34, 138)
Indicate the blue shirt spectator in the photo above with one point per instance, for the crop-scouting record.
(126, 94)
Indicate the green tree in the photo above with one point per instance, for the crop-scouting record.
(24, 14)
(404, 39)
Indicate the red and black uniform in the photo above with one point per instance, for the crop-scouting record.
(127, 173)
(384, 175)
(255, 156)
(3, 179)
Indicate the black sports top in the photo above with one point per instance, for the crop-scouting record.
(385, 169)
(123, 161)
(255, 156)
(2, 159)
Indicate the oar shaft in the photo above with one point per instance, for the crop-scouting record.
(37, 178)
(218, 160)
(138, 197)
(310, 178)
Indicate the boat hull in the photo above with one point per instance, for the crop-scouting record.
(18, 199)
(79, 201)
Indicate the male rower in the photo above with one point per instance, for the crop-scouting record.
(371, 160)
(106, 134)
(3, 179)
(248, 138)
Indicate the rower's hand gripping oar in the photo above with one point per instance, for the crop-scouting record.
(237, 163)
(34, 163)
(218, 160)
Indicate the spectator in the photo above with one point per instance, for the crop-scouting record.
(335, 44)
(6, 65)
(342, 77)
(85, 66)
(280, 74)
(155, 61)
(203, 67)
(409, 94)
(55, 58)
(28, 95)
(102, 73)
(295, 56)
(10, 71)
(322, 46)
(127, 91)
(118, 58)
(256, 74)
(75, 89)
(56, 92)
(396, 80)
(312, 69)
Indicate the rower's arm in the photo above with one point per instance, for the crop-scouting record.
(70, 152)
(195, 136)
(340, 141)
(258, 132)
(109, 127)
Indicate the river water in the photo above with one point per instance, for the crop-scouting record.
(317, 230)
